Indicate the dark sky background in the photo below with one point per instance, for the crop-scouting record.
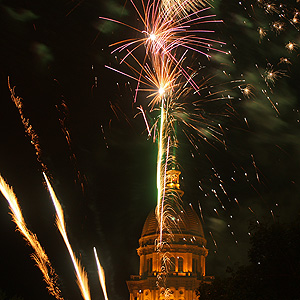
(55, 53)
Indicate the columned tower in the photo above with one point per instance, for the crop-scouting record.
(186, 255)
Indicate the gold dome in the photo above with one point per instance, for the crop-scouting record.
(189, 223)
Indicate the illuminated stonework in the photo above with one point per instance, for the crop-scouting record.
(173, 179)
(186, 256)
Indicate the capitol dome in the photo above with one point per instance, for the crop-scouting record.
(182, 255)
(188, 223)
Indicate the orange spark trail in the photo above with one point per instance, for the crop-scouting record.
(215, 243)
(28, 128)
(200, 209)
(145, 119)
(40, 257)
(101, 274)
(82, 280)
(63, 109)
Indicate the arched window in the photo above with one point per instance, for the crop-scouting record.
(180, 264)
(149, 265)
(195, 265)
(172, 264)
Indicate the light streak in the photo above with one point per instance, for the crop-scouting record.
(215, 210)
(101, 274)
(161, 179)
(251, 210)
(255, 167)
(163, 210)
(145, 119)
(200, 209)
(215, 243)
(272, 215)
(39, 255)
(82, 280)
(104, 137)
(237, 202)
(63, 109)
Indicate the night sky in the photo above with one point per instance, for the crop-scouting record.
(55, 52)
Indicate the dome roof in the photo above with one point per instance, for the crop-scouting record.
(189, 223)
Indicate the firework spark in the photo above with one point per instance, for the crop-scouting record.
(284, 60)
(291, 46)
(278, 26)
(39, 256)
(82, 279)
(271, 75)
(262, 32)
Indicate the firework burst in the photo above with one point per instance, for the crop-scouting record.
(167, 38)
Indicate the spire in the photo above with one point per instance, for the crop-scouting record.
(172, 181)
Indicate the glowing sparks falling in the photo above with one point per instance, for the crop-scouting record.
(81, 275)
(28, 128)
(40, 257)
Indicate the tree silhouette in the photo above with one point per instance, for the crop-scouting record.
(273, 271)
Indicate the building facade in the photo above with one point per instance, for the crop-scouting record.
(185, 256)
